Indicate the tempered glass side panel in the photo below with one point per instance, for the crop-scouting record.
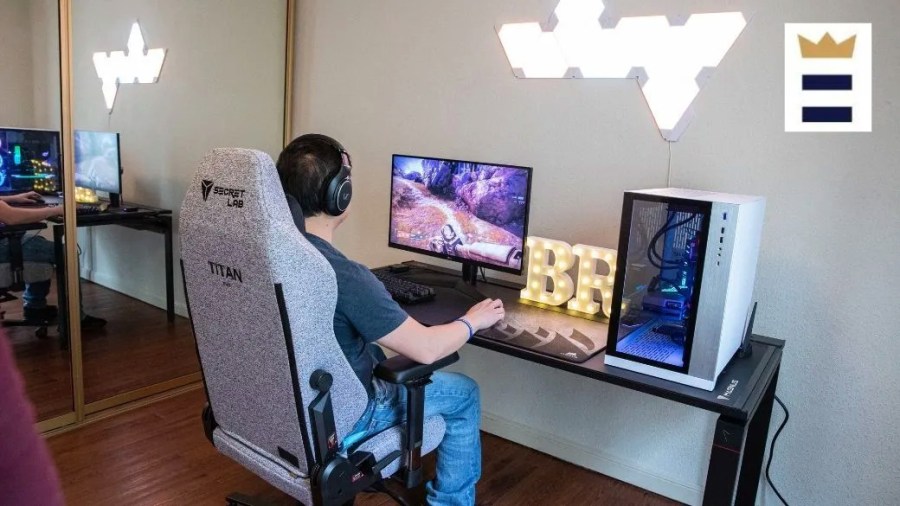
(663, 262)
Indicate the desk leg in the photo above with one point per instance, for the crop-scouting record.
(62, 295)
(735, 461)
(170, 281)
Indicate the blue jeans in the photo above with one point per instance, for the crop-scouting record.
(455, 398)
(39, 250)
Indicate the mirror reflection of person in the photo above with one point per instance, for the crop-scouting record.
(366, 314)
(35, 249)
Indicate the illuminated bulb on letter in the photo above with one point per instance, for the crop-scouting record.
(591, 281)
(563, 287)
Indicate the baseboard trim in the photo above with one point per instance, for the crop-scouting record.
(113, 283)
(589, 458)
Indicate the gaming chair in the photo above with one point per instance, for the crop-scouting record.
(16, 273)
(281, 396)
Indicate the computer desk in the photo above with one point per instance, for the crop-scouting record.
(742, 429)
(148, 218)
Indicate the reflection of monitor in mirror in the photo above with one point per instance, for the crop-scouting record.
(97, 162)
(29, 160)
(473, 213)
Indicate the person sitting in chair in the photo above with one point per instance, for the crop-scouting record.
(315, 170)
(35, 249)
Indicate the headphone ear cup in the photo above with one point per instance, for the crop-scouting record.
(338, 192)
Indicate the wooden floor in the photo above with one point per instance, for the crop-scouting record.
(137, 348)
(158, 455)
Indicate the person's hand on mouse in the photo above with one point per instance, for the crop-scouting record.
(485, 314)
(24, 198)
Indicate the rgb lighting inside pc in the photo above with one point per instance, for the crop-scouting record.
(661, 282)
(29, 160)
(470, 212)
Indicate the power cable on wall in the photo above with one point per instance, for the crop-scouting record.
(669, 167)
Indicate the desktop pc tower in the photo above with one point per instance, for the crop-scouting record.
(683, 291)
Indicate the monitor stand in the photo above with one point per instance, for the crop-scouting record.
(469, 281)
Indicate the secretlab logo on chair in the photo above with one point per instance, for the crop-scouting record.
(228, 274)
(205, 187)
(234, 196)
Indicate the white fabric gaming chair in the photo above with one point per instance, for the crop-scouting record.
(262, 299)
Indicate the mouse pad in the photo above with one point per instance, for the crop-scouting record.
(525, 326)
(547, 332)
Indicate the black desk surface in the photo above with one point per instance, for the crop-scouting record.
(752, 373)
(27, 227)
(115, 215)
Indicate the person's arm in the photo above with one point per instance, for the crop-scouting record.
(429, 344)
(22, 198)
(21, 215)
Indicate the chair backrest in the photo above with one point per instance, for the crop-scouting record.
(262, 302)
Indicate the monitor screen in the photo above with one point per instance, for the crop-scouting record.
(97, 161)
(464, 211)
(29, 160)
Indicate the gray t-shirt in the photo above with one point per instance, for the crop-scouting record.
(365, 311)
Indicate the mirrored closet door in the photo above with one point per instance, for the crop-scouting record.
(156, 85)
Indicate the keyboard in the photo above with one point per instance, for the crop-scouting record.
(404, 291)
(87, 209)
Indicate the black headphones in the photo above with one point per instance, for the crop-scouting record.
(337, 187)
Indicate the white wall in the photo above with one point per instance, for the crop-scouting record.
(430, 77)
(45, 58)
(16, 74)
(222, 84)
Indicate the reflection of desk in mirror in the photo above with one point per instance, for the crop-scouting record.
(138, 217)
(743, 395)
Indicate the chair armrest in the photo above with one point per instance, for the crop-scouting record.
(399, 369)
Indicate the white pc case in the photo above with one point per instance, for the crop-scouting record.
(684, 282)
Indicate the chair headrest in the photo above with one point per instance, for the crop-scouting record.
(296, 212)
(237, 189)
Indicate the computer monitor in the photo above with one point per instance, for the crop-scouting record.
(470, 212)
(29, 160)
(98, 162)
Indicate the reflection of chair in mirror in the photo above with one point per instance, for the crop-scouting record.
(282, 397)
(15, 273)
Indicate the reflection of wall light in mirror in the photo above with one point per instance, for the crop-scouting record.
(670, 58)
(137, 65)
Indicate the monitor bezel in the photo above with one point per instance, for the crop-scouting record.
(60, 168)
(118, 155)
(486, 265)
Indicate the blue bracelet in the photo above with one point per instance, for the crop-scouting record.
(468, 325)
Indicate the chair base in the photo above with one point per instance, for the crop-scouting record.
(41, 325)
